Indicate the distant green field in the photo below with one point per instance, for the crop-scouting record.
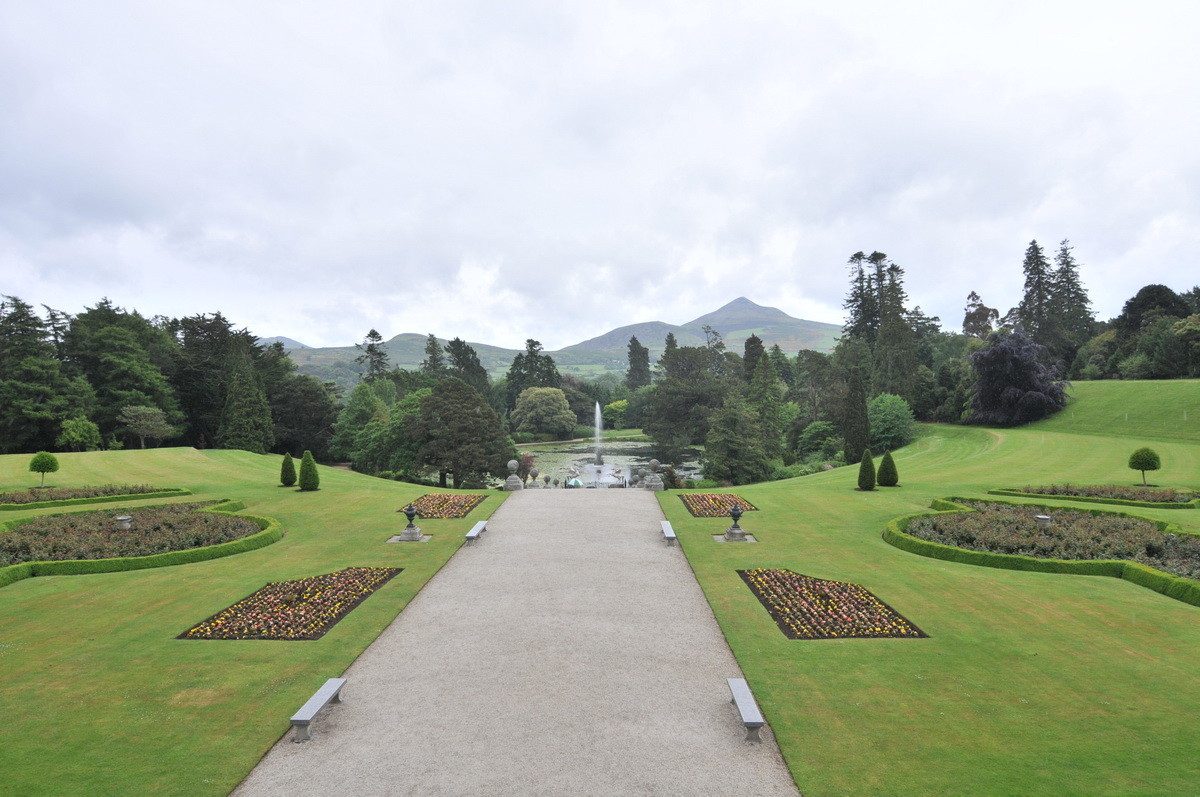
(1166, 410)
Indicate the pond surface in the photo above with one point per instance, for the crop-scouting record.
(622, 458)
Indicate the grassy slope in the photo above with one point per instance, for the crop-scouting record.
(97, 690)
(1168, 410)
(1030, 683)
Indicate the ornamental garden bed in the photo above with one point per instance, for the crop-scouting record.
(94, 535)
(813, 608)
(304, 609)
(1072, 534)
(1111, 494)
(714, 504)
(446, 506)
(36, 497)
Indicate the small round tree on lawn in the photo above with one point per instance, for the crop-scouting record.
(287, 471)
(1144, 459)
(309, 480)
(43, 462)
(866, 472)
(888, 476)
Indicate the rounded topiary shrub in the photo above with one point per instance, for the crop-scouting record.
(887, 475)
(1143, 459)
(287, 471)
(43, 462)
(309, 479)
(866, 472)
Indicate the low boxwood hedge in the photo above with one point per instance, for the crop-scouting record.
(271, 532)
(102, 499)
(1193, 504)
(1181, 589)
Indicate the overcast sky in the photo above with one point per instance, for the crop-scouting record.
(499, 171)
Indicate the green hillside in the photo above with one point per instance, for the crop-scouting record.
(1149, 410)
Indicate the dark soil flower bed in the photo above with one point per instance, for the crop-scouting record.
(812, 608)
(94, 535)
(1072, 534)
(714, 504)
(446, 506)
(1113, 491)
(302, 609)
(37, 494)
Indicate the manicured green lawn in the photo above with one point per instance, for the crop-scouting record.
(1168, 410)
(1029, 683)
(99, 697)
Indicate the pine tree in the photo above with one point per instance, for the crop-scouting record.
(752, 352)
(855, 364)
(287, 471)
(638, 374)
(246, 420)
(1070, 301)
(435, 357)
(464, 364)
(1036, 312)
(373, 357)
(895, 347)
(530, 368)
(310, 480)
(888, 476)
(764, 395)
(866, 472)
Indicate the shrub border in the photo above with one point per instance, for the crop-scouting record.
(1177, 587)
(170, 492)
(1193, 504)
(271, 532)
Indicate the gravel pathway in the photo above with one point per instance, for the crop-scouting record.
(569, 652)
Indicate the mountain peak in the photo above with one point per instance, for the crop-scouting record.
(741, 313)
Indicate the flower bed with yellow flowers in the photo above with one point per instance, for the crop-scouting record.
(302, 609)
(812, 608)
(444, 506)
(714, 504)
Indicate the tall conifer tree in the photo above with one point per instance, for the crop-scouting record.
(638, 374)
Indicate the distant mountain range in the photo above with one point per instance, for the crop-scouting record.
(588, 359)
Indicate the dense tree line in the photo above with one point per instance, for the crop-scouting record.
(108, 378)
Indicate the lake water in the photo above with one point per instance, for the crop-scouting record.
(621, 459)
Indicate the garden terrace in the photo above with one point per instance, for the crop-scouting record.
(94, 535)
(1111, 493)
(295, 610)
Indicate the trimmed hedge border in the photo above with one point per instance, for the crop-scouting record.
(1193, 504)
(1181, 589)
(102, 499)
(271, 532)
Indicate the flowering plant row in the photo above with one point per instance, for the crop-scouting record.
(1117, 491)
(302, 609)
(445, 506)
(714, 504)
(812, 608)
(94, 535)
(37, 494)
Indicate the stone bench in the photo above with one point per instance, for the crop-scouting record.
(476, 532)
(331, 692)
(747, 707)
(668, 532)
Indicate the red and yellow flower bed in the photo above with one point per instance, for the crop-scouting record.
(714, 504)
(444, 506)
(812, 608)
(302, 609)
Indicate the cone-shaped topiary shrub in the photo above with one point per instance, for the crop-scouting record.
(287, 471)
(309, 480)
(866, 471)
(887, 476)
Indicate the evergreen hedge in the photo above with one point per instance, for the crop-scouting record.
(1193, 504)
(309, 478)
(287, 471)
(1181, 589)
(271, 532)
(866, 472)
(887, 476)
